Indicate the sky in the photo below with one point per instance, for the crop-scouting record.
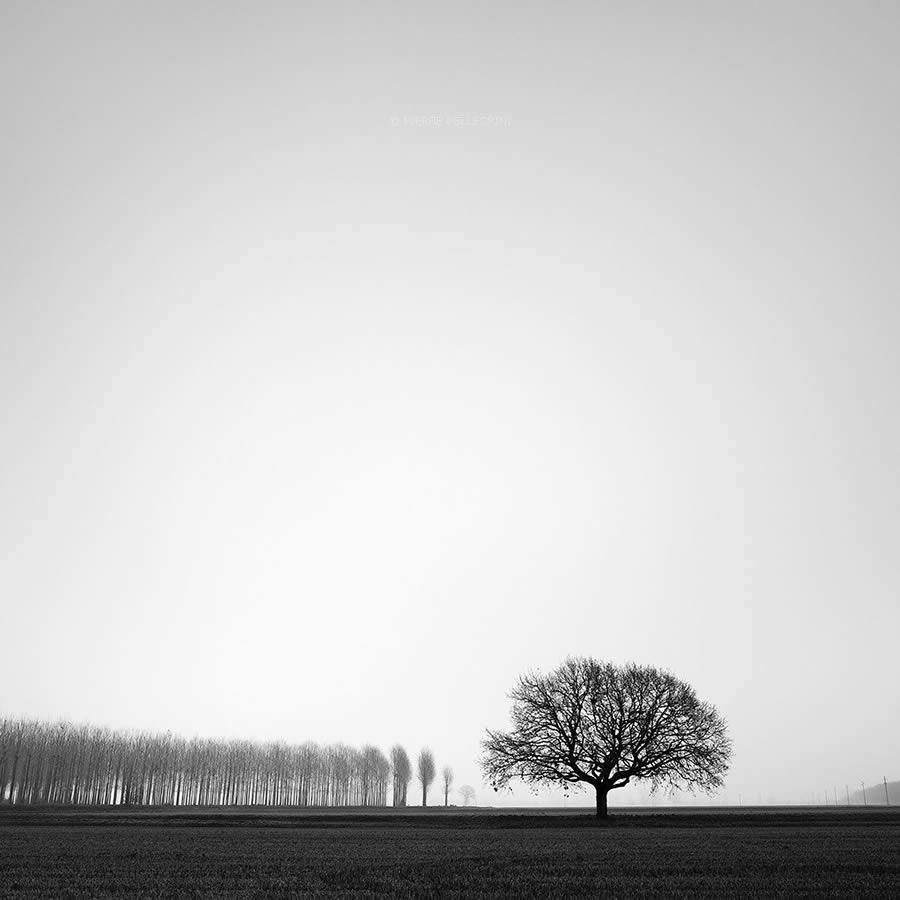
(356, 358)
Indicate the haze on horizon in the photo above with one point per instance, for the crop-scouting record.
(355, 358)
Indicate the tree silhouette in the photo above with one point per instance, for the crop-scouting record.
(447, 775)
(425, 771)
(402, 769)
(467, 792)
(602, 725)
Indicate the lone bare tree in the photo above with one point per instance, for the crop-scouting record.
(425, 771)
(467, 792)
(594, 723)
(447, 775)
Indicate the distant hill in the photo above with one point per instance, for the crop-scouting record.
(875, 794)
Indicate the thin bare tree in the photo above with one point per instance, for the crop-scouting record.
(425, 771)
(402, 771)
(447, 775)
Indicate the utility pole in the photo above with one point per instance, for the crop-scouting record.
(887, 798)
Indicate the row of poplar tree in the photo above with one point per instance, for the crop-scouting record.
(82, 765)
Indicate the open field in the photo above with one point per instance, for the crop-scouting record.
(765, 852)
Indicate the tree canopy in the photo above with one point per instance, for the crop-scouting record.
(598, 724)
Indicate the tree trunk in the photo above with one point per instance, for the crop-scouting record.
(602, 808)
(424, 795)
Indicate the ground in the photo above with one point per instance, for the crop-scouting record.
(436, 853)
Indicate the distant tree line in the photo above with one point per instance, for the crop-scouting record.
(81, 765)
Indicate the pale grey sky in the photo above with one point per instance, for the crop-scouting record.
(356, 357)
